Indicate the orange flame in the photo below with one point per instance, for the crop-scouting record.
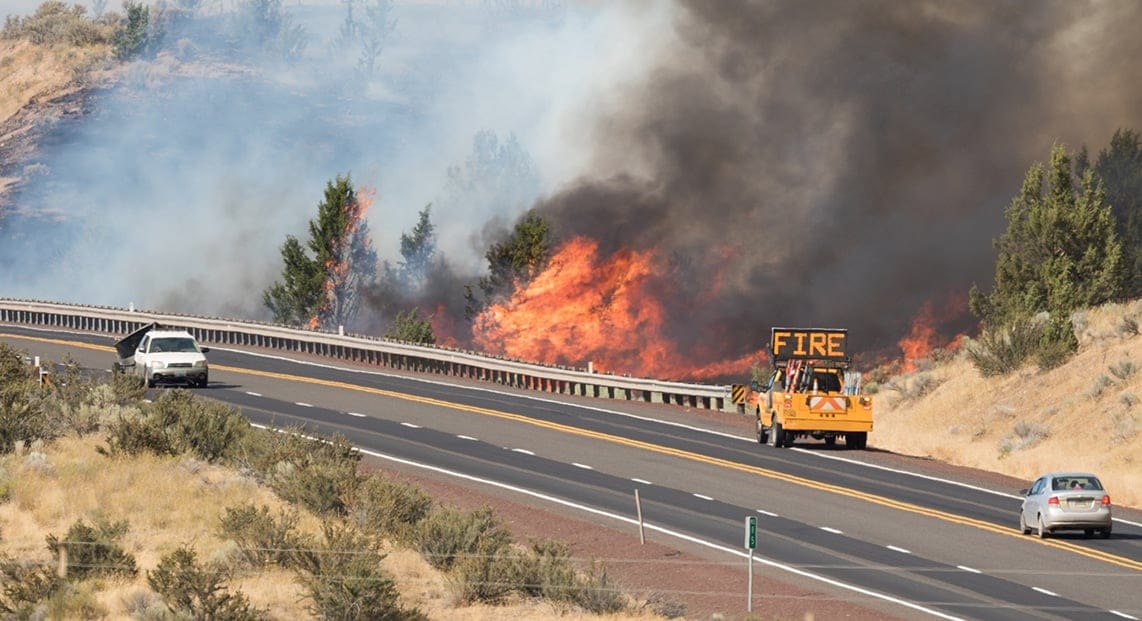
(925, 334)
(585, 308)
(338, 268)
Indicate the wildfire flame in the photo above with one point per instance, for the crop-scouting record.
(587, 308)
(339, 292)
(925, 334)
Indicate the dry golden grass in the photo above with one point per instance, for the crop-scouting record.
(173, 501)
(1081, 416)
(31, 72)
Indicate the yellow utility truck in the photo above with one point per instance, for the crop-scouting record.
(811, 391)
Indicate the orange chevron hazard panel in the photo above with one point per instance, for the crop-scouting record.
(827, 404)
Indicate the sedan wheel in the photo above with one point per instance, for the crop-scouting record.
(1042, 528)
(1023, 527)
(1105, 534)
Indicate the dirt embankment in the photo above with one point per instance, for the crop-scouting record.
(1084, 415)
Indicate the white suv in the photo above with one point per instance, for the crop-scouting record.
(170, 356)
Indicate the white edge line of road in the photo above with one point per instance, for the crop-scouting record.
(632, 521)
(621, 518)
(818, 454)
(602, 410)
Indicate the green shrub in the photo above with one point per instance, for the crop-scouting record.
(1053, 354)
(74, 601)
(1127, 326)
(24, 585)
(388, 508)
(1097, 387)
(23, 419)
(140, 34)
(206, 428)
(1124, 369)
(197, 590)
(178, 422)
(5, 486)
(554, 578)
(127, 389)
(13, 369)
(134, 434)
(1002, 350)
(490, 572)
(53, 23)
(145, 605)
(1024, 435)
(344, 579)
(447, 534)
(598, 594)
(319, 474)
(262, 538)
(93, 550)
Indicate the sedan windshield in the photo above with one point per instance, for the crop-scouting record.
(173, 345)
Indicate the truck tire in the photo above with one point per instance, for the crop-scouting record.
(778, 436)
(762, 432)
(203, 381)
(856, 440)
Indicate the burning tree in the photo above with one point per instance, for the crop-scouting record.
(513, 262)
(323, 290)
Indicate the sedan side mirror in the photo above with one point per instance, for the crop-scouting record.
(205, 350)
(1023, 492)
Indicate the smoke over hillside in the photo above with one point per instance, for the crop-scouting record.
(839, 164)
(851, 160)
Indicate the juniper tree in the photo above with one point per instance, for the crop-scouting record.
(1059, 253)
(322, 287)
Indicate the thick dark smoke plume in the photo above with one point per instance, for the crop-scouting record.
(829, 163)
(854, 158)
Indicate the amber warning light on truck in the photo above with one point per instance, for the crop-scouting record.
(793, 343)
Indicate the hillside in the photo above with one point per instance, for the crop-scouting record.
(1081, 416)
(38, 86)
(171, 501)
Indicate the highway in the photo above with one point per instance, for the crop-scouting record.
(931, 546)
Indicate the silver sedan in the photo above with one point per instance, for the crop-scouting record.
(1066, 501)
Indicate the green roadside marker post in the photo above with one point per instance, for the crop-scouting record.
(751, 545)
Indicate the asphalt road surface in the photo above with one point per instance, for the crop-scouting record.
(935, 546)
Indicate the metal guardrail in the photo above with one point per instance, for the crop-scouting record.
(372, 351)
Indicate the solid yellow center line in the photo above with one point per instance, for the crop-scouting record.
(681, 454)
